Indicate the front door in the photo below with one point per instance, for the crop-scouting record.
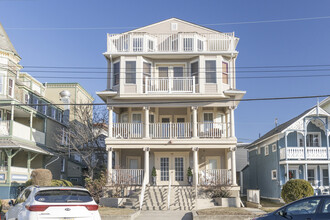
(171, 166)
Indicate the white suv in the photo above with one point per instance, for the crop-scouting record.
(53, 203)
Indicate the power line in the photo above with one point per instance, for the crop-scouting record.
(133, 27)
(237, 67)
(175, 102)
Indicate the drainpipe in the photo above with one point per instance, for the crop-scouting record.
(51, 162)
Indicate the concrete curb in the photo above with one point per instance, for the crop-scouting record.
(121, 217)
(227, 217)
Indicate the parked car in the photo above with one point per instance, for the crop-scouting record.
(311, 208)
(53, 203)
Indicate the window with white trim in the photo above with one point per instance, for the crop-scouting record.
(274, 174)
(274, 148)
(225, 72)
(313, 140)
(300, 140)
(116, 73)
(259, 150)
(194, 71)
(210, 71)
(325, 177)
(26, 98)
(266, 150)
(130, 72)
(10, 87)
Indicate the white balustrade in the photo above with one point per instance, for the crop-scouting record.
(170, 130)
(213, 129)
(127, 176)
(4, 128)
(127, 130)
(215, 177)
(170, 85)
(38, 136)
(316, 152)
(295, 153)
(180, 42)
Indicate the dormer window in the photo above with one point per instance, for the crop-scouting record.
(138, 44)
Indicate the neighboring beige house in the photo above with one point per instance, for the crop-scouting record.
(76, 92)
(171, 86)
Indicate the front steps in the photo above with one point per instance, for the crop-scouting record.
(181, 198)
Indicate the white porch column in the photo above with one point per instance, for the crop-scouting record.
(31, 123)
(146, 163)
(146, 122)
(327, 147)
(329, 172)
(306, 172)
(109, 165)
(233, 166)
(110, 135)
(232, 122)
(287, 172)
(194, 110)
(195, 150)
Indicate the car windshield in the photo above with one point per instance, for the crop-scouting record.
(63, 195)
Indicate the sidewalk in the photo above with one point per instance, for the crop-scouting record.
(165, 215)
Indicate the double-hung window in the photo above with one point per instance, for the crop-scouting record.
(225, 72)
(130, 72)
(116, 73)
(210, 71)
(10, 87)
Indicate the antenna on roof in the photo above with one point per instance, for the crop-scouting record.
(275, 122)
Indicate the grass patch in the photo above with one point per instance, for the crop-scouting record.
(269, 209)
(115, 211)
(224, 211)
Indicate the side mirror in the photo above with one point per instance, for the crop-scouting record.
(284, 214)
(11, 203)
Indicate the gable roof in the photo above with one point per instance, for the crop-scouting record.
(5, 43)
(173, 19)
(279, 128)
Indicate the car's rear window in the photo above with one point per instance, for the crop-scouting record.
(60, 196)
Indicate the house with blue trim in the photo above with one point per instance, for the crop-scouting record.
(296, 149)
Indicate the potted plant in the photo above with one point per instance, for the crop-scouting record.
(153, 174)
(190, 175)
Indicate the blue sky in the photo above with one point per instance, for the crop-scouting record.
(261, 44)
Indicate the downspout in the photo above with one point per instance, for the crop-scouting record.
(52, 161)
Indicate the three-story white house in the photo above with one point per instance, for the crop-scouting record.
(171, 91)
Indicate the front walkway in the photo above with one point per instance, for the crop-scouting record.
(165, 215)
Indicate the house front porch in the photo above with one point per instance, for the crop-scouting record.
(208, 166)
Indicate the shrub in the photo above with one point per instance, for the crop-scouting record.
(153, 172)
(61, 183)
(41, 177)
(296, 189)
(0, 206)
(189, 172)
(95, 186)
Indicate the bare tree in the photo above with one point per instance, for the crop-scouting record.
(84, 136)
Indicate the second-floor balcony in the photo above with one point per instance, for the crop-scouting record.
(136, 42)
(170, 130)
(170, 85)
(21, 131)
(298, 153)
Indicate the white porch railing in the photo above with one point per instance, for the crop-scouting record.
(215, 177)
(179, 42)
(127, 176)
(299, 153)
(170, 85)
(316, 152)
(127, 130)
(212, 129)
(22, 131)
(170, 130)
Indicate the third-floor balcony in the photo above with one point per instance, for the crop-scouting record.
(135, 42)
(299, 153)
(170, 85)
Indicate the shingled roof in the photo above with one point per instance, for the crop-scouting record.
(279, 128)
(5, 43)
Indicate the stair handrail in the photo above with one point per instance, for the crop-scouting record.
(144, 183)
(169, 193)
